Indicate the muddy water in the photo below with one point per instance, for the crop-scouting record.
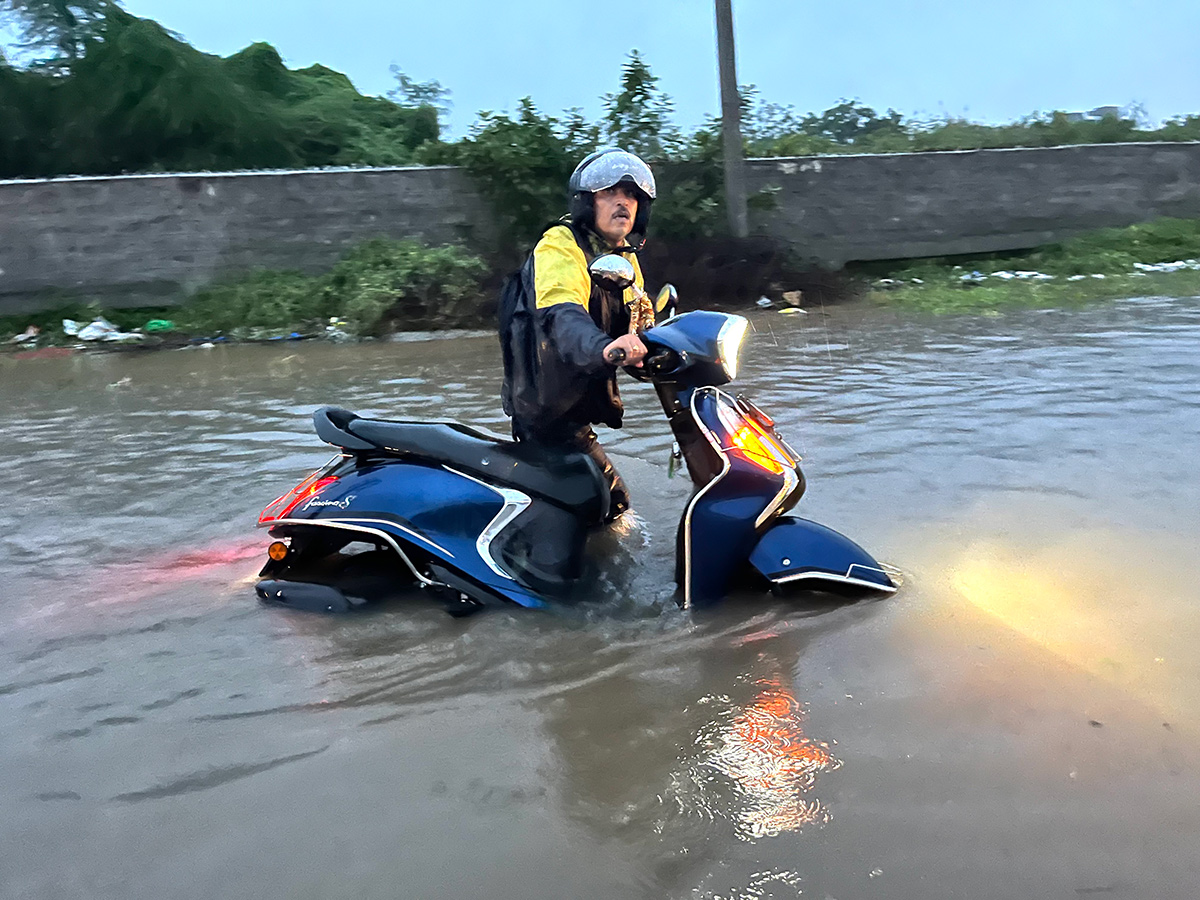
(1021, 720)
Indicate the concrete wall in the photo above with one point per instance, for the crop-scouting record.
(138, 240)
(142, 239)
(906, 205)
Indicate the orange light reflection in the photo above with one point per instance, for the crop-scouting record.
(765, 753)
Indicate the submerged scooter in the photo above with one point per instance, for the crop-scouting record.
(480, 520)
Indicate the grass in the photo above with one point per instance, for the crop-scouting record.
(377, 287)
(938, 285)
(953, 297)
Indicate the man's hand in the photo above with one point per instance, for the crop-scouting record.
(627, 350)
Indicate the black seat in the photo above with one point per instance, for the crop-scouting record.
(571, 480)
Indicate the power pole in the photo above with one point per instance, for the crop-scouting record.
(731, 117)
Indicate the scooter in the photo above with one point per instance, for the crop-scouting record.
(480, 520)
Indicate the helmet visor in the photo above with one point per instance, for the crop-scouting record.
(614, 166)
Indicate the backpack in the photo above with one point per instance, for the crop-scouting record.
(514, 313)
(514, 318)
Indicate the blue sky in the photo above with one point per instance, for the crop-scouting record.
(993, 62)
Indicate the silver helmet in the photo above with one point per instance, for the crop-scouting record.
(603, 169)
(607, 167)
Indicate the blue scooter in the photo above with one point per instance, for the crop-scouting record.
(480, 520)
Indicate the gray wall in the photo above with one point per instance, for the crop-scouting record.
(906, 205)
(142, 239)
(138, 240)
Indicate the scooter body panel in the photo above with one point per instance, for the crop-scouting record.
(451, 518)
(721, 524)
(799, 552)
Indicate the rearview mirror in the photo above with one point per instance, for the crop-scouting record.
(667, 300)
(613, 273)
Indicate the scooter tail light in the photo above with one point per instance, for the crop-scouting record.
(759, 448)
(282, 507)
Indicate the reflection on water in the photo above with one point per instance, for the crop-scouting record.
(1107, 602)
(761, 748)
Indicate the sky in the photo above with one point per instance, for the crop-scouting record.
(990, 62)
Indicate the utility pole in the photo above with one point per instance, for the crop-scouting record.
(731, 116)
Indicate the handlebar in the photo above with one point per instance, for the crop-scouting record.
(615, 356)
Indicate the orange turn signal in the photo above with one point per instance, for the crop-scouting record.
(278, 551)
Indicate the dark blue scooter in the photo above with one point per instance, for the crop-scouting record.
(481, 520)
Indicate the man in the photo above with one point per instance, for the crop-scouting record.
(560, 333)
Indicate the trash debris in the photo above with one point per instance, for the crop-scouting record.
(29, 334)
(156, 326)
(100, 329)
(764, 302)
(793, 298)
(888, 284)
(1176, 266)
(334, 332)
(792, 310)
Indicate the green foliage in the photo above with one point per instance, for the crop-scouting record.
(55, 31)
(412, 94)
(691, 193)
(522, 164)
(850, 122)
(383, 280)
(378, 285)
(260, 301)
(139, 99)
(638, 117)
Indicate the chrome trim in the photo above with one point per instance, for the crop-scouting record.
(346, 520)
(790, 480)
(515, 503)
(841, 579)
(327, 523)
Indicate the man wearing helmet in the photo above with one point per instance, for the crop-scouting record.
(561, 330)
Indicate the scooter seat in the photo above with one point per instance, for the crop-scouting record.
(571, 480)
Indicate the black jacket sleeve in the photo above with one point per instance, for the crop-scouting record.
(574, 337)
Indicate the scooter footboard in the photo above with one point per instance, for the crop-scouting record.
(805, 554)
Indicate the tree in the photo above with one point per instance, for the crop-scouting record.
(638, 117)
(55, 30)
(850, 121)
(412, 94)
(522, 164)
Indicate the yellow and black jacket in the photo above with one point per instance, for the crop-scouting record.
(554, 326)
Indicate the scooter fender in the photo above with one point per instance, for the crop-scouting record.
(801, 553)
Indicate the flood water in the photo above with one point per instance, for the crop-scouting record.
(1021, 720)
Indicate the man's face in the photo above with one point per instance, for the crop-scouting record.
(616, 208)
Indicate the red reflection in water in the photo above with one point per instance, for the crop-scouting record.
(133, 579)
(765, 752)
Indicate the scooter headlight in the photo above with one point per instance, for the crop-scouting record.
(729, 343)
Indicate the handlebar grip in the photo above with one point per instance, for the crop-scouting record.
(615, 356)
